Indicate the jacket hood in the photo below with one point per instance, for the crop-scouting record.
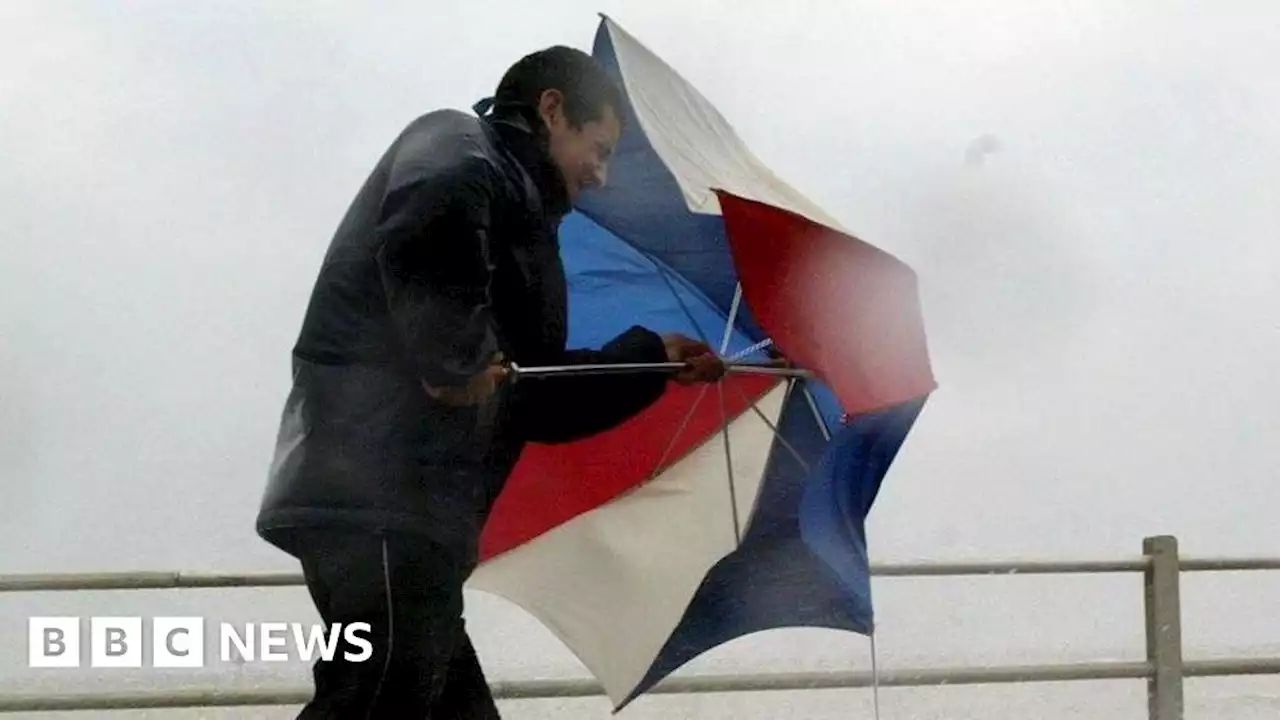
(514, 125)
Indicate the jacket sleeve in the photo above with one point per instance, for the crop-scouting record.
(571, 407)
(432, 251)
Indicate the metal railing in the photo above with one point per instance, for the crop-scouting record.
(1164, 668)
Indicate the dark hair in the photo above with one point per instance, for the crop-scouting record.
(587, 88)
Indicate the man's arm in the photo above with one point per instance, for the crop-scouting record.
(565, 408)
(433, 260)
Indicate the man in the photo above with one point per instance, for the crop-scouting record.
(402, 424)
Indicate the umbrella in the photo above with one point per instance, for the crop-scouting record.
(721, 510)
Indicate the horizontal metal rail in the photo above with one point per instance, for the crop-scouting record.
(578, 688)
(1163, 670)
(158, 580)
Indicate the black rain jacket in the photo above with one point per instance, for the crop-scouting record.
(448, 253)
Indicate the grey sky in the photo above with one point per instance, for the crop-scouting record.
(1102, 290)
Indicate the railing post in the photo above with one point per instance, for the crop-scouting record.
(1164, 628)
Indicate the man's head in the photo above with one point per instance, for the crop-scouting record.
(578, 104)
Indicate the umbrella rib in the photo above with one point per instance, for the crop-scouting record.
(777, 434)
(675, 437)
(733, 317)
(817, 414)
(679, 431)
(728, 465)
(724, 415)
(684, 307)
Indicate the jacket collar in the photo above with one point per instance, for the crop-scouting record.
(514, 128)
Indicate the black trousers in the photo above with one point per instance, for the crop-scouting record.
(423, 665)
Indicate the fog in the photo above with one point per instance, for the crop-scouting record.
(1088, 193)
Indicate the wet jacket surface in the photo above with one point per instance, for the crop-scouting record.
(448, 253)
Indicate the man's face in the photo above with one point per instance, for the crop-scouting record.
(582, 153)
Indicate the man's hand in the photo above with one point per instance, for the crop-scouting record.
(481, 387)
(702, 363)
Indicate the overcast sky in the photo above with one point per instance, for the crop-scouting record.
(1089, 194)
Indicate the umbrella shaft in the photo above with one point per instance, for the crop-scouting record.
(667, 367)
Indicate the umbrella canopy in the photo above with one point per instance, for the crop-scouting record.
(737, 508)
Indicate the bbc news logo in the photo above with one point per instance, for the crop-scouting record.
(179, 642)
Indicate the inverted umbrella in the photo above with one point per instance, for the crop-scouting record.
(722, 511)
